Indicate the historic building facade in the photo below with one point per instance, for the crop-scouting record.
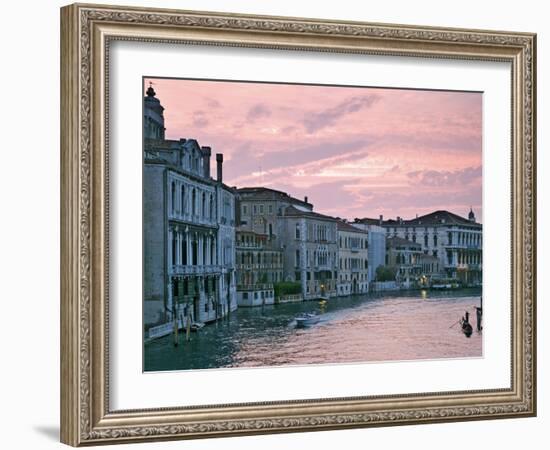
(188, 228)
(260, 208)
(310, 251)
(430, 269)
(377, 244)
(306, 240)
(353, 260)
(402, 255)
(456, 241)
(259, 265)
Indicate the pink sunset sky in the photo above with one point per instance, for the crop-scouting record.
(354, 151)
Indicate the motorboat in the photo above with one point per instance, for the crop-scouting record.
(307, 319)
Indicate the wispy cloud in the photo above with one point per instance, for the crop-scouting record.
(258, 111)
(353, 151)
(314, 121)
(199, 119)
(444, 178)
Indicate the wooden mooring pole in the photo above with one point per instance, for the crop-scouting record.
(175, 330)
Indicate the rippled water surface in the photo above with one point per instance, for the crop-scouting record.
(398, 326)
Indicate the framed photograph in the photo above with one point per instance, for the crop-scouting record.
(279, 224)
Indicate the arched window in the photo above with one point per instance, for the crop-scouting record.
(194, 251)
(173, 196)
(182, 199)
(184, 250)
(174, 249)
(211, 207)
(212, 256)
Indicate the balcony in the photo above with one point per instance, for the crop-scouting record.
(324, 267)
(464, 246)
(194, 219)
(355, 249)
(255, 287)
(195, 270)
(464, 266)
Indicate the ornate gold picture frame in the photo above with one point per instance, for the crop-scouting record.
(87, 32)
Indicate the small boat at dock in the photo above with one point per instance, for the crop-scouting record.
(196, 326)
(306, 320)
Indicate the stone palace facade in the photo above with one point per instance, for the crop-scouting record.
(188, 228)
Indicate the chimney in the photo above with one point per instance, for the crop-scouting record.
(206, 152)
(381, 219)
(219, 163)
(305, 199)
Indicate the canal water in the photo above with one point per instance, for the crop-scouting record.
(374, 327)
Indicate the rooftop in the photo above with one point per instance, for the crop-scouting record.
(367, 221)
(438, 217)
(291, 211)
(263, 193)
(344, 226)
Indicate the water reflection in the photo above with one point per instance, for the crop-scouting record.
(398, 326)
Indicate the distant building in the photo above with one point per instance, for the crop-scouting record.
(188, 228)
(430, 269)
(377, 244)
(310, 249)
(353, 260)
(259, 209)
(402, 255)
(259, 266)
(307, 240)
(457, 242)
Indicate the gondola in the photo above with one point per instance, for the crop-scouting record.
(467, 328)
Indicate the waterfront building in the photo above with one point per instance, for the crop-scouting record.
(402, 256)
(259, 209)
(306, 239)
(188, 228)
(376, 244)
(456, 241)
(430, 269)
(353, 262)
(259, 264)
(310, 250)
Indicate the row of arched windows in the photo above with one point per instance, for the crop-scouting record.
(354, 263)
(185, 200)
